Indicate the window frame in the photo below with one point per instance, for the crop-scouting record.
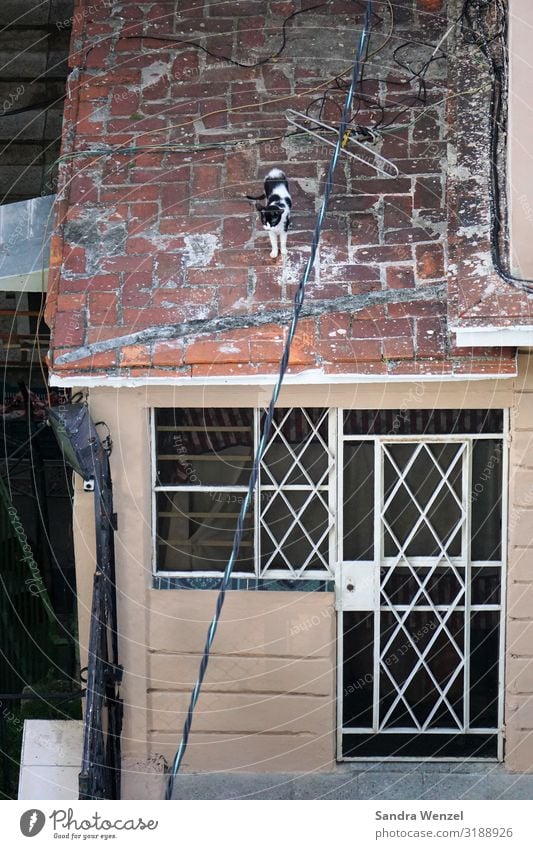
(333, 416)
(336, 441)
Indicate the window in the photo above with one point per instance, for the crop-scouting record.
(203, 463)
(314, 502)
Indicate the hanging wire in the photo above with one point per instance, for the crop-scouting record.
(267, 424)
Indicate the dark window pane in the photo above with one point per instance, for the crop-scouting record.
(204, 447)
(195, 531)
(358, 669)
(420, 745)
(484, 642)
(358, 501)
(486, 585)
(401, 648)
(297, 452)
(487, 499)
(423, 585)
(422, 476)
(294, 531)
(421, 422)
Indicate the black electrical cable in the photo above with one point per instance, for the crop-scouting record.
(477, 15)
(43, 105)
(172, 39)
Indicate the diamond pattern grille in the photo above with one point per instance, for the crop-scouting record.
(296, 519)
(423, 518)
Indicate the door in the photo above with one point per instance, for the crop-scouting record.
(420, 595)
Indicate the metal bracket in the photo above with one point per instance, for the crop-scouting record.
(374, 160)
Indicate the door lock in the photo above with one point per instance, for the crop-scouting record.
(357, 586)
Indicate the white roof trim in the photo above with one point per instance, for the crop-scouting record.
(303, 378)
(494, 337)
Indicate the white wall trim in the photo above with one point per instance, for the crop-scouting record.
(30, 282)
(494, 336)
(305, 378)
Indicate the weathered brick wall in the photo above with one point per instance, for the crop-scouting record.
(162, 237)
(477, 294)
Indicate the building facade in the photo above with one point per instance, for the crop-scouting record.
(380, 605)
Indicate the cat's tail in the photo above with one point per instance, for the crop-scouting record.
(259, 197)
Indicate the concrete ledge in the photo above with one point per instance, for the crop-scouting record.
(371, 781)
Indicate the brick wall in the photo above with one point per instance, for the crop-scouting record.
(159, 238)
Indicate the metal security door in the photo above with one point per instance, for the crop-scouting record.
(419, 631)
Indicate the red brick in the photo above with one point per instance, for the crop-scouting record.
(265, 351)
(396, 186)
(429, 261)
(68, 328)
(74, 260)
(95, 283)
(135, 355)
(384, 253)
(354, 273)
(168, 353)
(120, 76)
(430, 337)
(83, 189)
(175, 199)
(433, 6)
(139, 318)
(400, 277)
(96, 57)
(124, 101)
(217, 276)
(335, 325)
(206, 179)
(428, 193)
(186, 66)
(401, 348)
(214, 352)
(167, 266)
(417, 309)
(103, 307)
(350, 350)
(127, 263)
(130, 194)
(232, 299)
(219, 208)
(128, 45)
(236, 232)
(353, 203)
(381, 328)
(364, 230)
(65, 303)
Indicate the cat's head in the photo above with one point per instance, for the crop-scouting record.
(270, 215)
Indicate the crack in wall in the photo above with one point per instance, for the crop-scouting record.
(166, 332)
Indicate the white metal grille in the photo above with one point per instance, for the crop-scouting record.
(433, 607)
(295, 516)
(201, 460)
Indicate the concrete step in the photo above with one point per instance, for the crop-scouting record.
(370, 781)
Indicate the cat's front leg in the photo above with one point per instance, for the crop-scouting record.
(283, 242)
(274, 243)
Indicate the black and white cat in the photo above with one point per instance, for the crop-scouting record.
(276, 215)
